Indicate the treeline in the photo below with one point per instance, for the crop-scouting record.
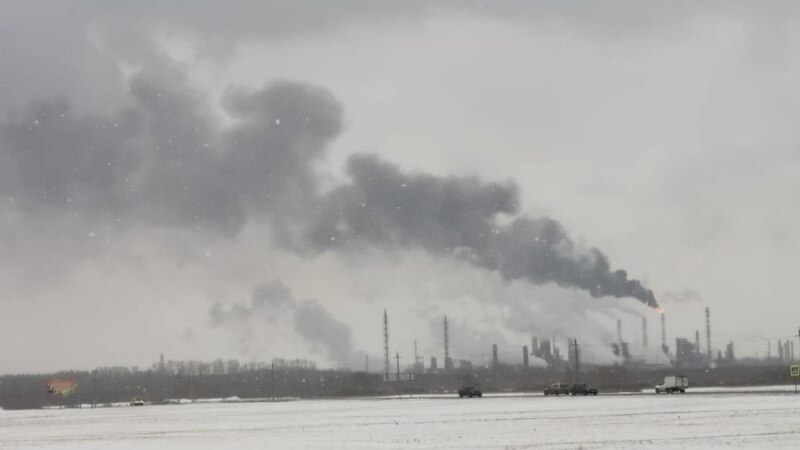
(216, 367)
(186, 380)
(301, 379)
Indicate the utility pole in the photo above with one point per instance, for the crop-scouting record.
(385, 346)
(399, 391)
(577, 363)
(272, 375)
(708, 335)
(446, 346)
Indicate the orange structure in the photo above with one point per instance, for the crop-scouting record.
(62, 387)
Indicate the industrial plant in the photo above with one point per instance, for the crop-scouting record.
(531, 366)
(548, 360)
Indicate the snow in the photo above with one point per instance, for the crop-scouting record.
(700, 420)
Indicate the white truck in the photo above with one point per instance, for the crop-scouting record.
(673, 383)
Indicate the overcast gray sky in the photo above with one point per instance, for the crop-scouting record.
(259, 179)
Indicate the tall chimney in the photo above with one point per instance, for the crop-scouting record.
(644, 333)
(664, 347)
(525, 361)
(697, 341)
(708, 331)
(494, 356)
(619, 330)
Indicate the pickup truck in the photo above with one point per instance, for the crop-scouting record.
(583, 389)
(469, 391)
(673, 383)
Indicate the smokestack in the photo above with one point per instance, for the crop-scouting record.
(525, 361)
(664, 347)
(419, 361)
(708, 332)
(619, 330)
(697, 341)
(494, 356)
(644, 333)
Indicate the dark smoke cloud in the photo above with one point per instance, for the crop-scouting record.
(274, 302)
(163, 159)
(460, 217)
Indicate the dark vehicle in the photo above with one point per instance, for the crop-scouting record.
(583, 389)
(469, 391)
(557, 389)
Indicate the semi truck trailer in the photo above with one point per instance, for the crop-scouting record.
(673, 383)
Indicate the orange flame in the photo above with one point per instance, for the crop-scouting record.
(660, 310)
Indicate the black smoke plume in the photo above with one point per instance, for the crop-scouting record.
(459, 217)
(164, 159)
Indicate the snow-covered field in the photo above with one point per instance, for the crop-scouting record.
(707, 420)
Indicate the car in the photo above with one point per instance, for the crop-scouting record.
(469, 391)
(557, 389)
(583, 389)
(137, 402)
